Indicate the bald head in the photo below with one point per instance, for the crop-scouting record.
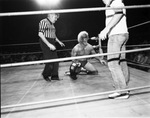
(53, 17)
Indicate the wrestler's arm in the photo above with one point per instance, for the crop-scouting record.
(100, 49)
(74, 53)
(93, 52)
(98, 58)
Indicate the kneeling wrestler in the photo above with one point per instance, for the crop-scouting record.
(83, 48)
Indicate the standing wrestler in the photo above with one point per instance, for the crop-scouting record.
(117, 32)
(47, 34)
(83, 48)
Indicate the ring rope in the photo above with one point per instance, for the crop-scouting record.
(56, 100)
(70, 98)
(40, 52)
(65, 41)
(139, 24)
(61, 59)
(27, 53)
(70, 58)
(37, 43)
(142, 45)
(140, 65)
(71, 10)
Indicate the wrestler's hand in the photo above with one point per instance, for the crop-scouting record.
(95, 46)
(103, 34)
(94, 38)
(102, 61)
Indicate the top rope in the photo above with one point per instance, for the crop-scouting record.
(71, 10)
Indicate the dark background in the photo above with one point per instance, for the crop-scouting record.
(24, 29)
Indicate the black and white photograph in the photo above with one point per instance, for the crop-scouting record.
(75, 58)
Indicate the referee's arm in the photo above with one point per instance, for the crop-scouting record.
(46, 42)
(61, 43)
(42, 26)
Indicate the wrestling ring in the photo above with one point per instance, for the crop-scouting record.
(24, 92)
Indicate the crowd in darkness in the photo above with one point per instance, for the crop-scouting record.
(142, 58)
(20, 58)
(137, 57)
(14, 58)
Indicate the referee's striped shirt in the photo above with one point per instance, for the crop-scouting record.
(47, 28)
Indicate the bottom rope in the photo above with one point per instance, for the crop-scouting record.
(71, 98)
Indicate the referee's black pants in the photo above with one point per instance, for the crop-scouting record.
(50, 69)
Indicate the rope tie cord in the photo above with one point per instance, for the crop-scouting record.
(71, 10)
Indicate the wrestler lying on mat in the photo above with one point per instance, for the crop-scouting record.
(80, 65)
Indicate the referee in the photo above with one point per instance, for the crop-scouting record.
(47, 34)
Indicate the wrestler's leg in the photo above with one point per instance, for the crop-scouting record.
(90, 68)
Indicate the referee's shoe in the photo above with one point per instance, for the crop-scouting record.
(55, 77)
